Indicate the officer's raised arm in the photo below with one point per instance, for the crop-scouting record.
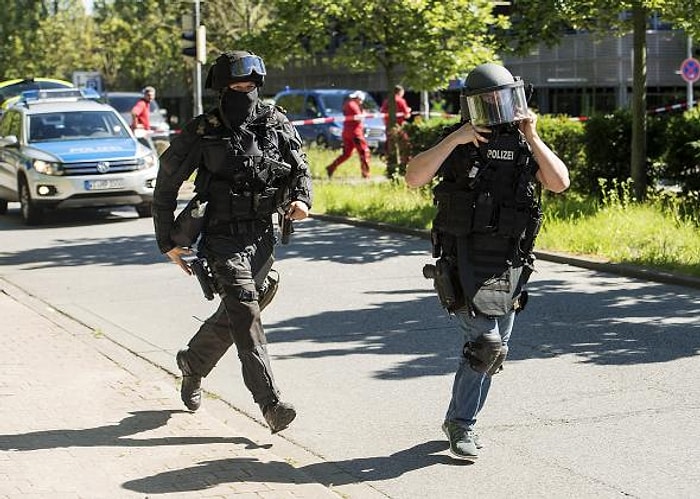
(422, 167)
(553, 173)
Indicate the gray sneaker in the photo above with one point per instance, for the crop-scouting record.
(463, 441)
(191, 389)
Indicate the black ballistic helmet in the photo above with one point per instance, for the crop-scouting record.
(237, 65)
(492, 96)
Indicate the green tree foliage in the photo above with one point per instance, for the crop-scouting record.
(227, 21)
(139, 43)
(45, 38)
(423, 39)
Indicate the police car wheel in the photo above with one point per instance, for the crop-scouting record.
(31, 213)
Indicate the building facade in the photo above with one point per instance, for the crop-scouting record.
(586, 74)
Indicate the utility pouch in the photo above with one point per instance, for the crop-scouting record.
(189, 223)
(446, 282)
(495, 295)
(484, 213)
(454, 212)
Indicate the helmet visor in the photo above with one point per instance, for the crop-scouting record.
(497, 106)
(245, 66)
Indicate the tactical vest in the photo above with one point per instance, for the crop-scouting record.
(488, 216)
(244, 176)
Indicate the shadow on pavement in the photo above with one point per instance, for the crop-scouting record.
(76, 217)
(113, 435)
(208, 474)
(346, 244)
(127, 250)
(603, 322)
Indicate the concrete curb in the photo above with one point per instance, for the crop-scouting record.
(637, 272)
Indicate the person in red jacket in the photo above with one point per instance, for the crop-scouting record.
(141, 112)
(403, 111)
(353, 135)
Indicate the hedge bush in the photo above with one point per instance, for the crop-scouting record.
(682, 155)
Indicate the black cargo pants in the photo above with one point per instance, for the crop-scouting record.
(240, 257)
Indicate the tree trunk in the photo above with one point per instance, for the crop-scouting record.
(392, 161)
(639, 102)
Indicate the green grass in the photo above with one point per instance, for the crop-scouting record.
(661, 233)
(639, 234)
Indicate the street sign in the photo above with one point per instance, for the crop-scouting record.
(88, 79)
(690, 70)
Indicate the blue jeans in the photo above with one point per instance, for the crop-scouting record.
(470, 388)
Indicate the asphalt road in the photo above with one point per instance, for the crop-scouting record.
(599, 397)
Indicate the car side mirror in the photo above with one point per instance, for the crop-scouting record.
(9, 141)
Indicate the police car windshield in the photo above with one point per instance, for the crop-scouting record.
(72, 125)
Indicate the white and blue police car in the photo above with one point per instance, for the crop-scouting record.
(64, 149)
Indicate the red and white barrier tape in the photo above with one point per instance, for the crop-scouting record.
(672, 107)
(341, 119)
(360, 117)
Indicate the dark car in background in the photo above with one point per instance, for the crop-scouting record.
(306, 104)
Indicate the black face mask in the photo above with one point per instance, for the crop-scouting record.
(237, 106)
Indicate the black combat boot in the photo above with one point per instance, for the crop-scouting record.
(191, 389)
(279, 415)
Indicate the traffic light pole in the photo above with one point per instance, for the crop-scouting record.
(197, 67)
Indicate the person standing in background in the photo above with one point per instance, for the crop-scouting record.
(403, 112)
(141, 112)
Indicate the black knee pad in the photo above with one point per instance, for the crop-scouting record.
(483, 352)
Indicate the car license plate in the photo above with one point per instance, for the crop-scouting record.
(101, 184)
(373, 143)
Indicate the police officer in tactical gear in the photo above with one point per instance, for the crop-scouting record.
(249, 164)
(488, 215)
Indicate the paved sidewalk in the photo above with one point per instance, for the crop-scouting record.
(82, 417)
